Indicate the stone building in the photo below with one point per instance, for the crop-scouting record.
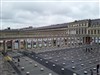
(66, 35)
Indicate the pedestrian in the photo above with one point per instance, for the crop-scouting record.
(91, 71)
(97, 68)
(86, 49)
(18, 61)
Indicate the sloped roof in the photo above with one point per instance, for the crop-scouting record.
(95, 22)
(54, 26)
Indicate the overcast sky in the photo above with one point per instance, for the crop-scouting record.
(23, 14)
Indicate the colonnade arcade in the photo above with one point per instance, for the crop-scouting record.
(38, 43)
(31, 43)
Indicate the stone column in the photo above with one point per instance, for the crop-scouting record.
(1, 45)
(12, 41)
(98, 40)
(94, 39)
(77, 41)
(4, 45)
(41, 42)
(36, 43)
(19, 44)
(47, 42)
(32, 43)
(52, 42)
(37, 46)
(26, 44)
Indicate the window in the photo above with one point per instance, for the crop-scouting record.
(98, 31)
(94, 31)
(82, 31)
(88, 31)
(91, 31)
(85, 31)
(79, 31)
(76, 31)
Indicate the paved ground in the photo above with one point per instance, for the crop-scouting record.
(31, 66)
(77, 60)
(5, 67)
(1, 62)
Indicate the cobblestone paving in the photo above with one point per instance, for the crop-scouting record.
(1, 64)
(77, 60)
(5, 68)
(31, 66)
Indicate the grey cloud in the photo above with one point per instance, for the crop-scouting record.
(46, 13)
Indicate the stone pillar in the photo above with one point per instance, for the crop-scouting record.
(19, 44)
(60, 41)
(52, 42)
(37, 43)
(77, 41)
(31, 43)
(1, 47)
(73, 41)
(4, 45)
(83, 40)
(57, 42)
(94, 39)
(35, 40)
(98, 40)
(26, 44)
(47, 42)
(12, 44)
(41, 42)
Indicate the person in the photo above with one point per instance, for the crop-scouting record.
(86, 49)
(97, 68)
(91, 71)
(18, 61)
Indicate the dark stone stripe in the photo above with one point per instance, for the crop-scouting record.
(15, 68)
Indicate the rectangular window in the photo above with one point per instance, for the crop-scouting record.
(94, 31)
(79, 31)
(76, 31)
(91, 31)
(85, 31)
(88, 31)
(98, 31)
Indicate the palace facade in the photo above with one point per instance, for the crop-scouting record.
(66, 35)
